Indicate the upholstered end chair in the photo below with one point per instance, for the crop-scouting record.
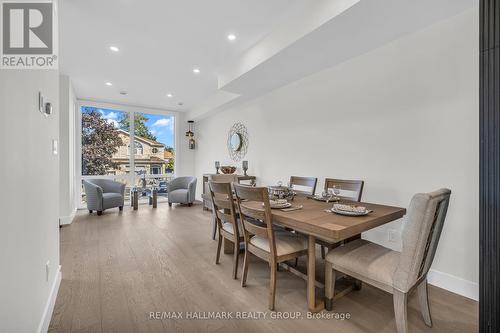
(398, 273)
(103, 194)
(182, 190)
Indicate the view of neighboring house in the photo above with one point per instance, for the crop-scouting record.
(151, 157)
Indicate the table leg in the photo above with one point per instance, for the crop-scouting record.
(311, 276)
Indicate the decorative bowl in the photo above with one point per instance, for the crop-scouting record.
(226, 169)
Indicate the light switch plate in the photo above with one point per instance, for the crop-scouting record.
(54, 147)
(41, 103)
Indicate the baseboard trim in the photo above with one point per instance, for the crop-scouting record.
(454, 284)
(64, 220)
(51, 302)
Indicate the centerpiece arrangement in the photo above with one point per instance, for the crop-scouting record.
(281, 192)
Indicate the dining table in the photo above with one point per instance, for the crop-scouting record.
(315, 222)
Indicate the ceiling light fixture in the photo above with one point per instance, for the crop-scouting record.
(170, 95)
(196, 70)
(231, 37)
(109, 84)
(114, 48)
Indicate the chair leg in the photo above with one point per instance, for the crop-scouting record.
(120, 208)
(245, 269)
(358, 284)
(236, 256)
(219, 244)
(423, 299)
(329, 285)
(296, 261)
(272, 285)
(214, 227)
(99, 212)
(169, 204)
(323, 252)
(90, 211)
(400, 310)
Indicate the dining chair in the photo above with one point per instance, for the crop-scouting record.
(262, 239)
(225, 178)
(227, 222)
(350, 190)
(309, 182)
(398, 273)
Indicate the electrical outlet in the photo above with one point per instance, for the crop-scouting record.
(47, 271)
(392, 235)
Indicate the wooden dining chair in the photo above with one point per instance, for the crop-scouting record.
(227, 222)
(351, 190)
(309, 182)
(398, 273)
(225, 178)
(262, 239)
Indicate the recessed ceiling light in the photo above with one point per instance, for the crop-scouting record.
(196, 70)
(169, 95)
(114, 48)
(109, 84)
(231, 37)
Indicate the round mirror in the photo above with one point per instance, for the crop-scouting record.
(235, 142)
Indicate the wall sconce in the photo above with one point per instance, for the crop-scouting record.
(190, 134)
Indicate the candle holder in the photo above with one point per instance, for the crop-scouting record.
(217, 166)
(245, 167)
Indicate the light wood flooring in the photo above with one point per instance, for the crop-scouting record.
(119, 267)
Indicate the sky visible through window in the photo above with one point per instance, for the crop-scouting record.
(161, 126)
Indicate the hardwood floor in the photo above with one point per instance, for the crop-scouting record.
(119, 267)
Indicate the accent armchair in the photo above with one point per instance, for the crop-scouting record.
(398, 273)
(103, 194)
(182, 190)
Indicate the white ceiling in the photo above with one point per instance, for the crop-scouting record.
(160, 42)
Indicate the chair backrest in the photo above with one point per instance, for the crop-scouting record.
(223, 204)
(182, 182)
(309, 182)
(223, 178)
(421, 233)
(349, 189)
(255, 213)
(105, 184)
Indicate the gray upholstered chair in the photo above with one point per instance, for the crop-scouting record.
(398, 273)
(181, 190)
(102, 194)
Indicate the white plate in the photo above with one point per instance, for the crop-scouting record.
(280, 206)
(348, 213)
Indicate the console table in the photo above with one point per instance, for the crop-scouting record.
(207, 205)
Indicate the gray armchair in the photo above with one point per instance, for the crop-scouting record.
(181, 190)
(103, 194)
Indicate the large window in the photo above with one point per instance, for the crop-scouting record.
(106, 137)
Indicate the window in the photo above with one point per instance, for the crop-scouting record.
(156, 170)
(138, 148)
(131, 147)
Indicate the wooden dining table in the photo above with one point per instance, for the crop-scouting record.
(313, 221)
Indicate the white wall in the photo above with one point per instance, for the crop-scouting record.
(67, 202)
(403, 117)
(29, 200)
